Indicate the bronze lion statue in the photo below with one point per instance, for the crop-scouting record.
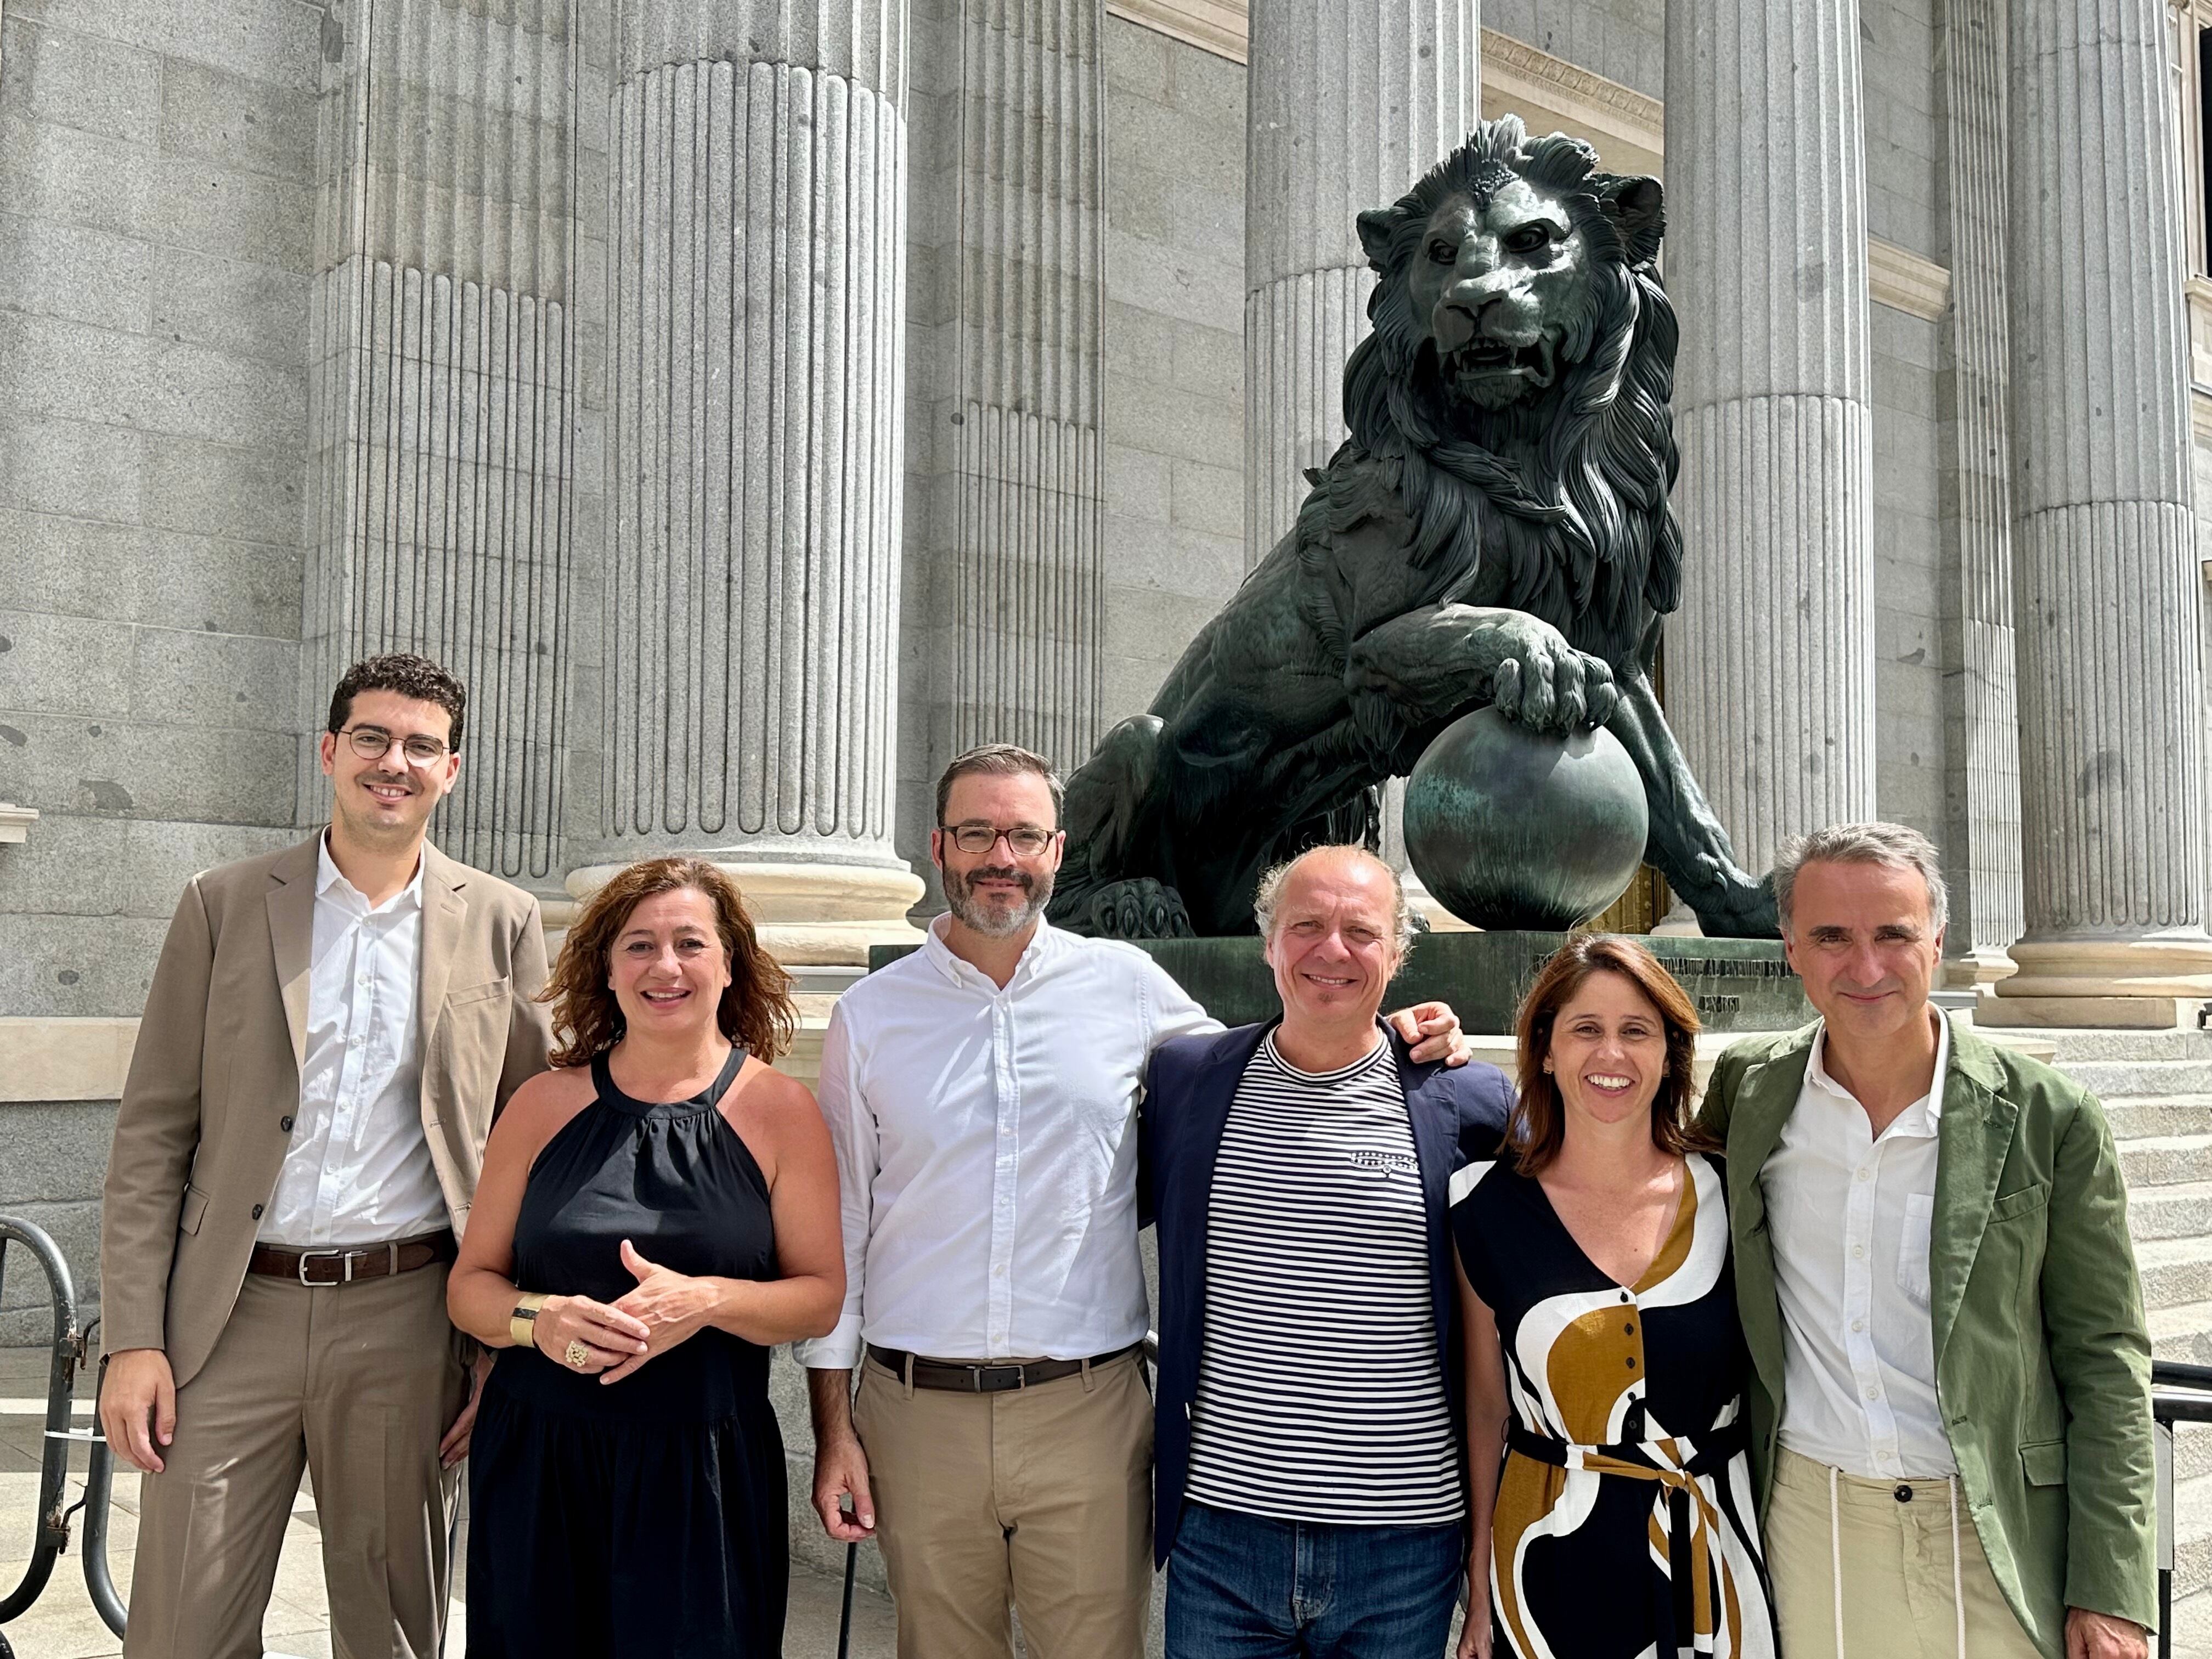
(1495, 530)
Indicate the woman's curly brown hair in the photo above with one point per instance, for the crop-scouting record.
(755, 1011)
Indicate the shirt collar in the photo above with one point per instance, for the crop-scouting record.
(1044, 945)
(1816, 1071)
(328, 875)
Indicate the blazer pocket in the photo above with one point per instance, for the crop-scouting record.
(484, 993)
(2026, 1201)
(2044, 1463)
(195, 1206)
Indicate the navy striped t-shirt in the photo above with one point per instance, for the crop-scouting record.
(1320, 1396)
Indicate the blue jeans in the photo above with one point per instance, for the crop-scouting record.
(1242, 1587)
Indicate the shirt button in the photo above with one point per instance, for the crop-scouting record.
(1865, 1175)
(285, 1124)
(1631, 1362)
(1628, 1330)
(1858, 1324)
(1858, 1252)
(1874, 1392)
(257, 1212)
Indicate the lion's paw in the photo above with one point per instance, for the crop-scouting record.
(1138, 908)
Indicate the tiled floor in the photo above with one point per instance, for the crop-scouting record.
(62, 1625)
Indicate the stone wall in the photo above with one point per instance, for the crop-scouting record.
(1902, 154)
(1175, 353)
(156, 220)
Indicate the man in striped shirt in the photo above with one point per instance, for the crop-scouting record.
(1310, 1487)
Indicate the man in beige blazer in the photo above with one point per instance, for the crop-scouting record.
(330, 1032)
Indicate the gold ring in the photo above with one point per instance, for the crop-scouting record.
(578, 1355)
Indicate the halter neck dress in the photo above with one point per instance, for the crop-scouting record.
(646, 1517)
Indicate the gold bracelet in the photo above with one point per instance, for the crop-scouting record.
(522, 1324)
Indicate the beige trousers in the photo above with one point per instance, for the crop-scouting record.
(1039, 1499)
(1897, 1574)
(357, 1382)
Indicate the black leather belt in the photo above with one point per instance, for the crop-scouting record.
(350, 1266)
(985, 1376)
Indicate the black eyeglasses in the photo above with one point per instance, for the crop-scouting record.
(1025, 840)
(372, 743)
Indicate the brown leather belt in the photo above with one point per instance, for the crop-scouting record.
(352, 1265)
(985, 1376)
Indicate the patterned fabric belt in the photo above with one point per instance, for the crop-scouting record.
(1648, 1460)
(353, 1264)
(1693, 1519)
(984, 1376)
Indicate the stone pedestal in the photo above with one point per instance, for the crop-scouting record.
(1770, 660)
(2111, 678)
(1349, 104)
(757, 345)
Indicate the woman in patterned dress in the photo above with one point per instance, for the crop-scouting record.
(1606, 1370)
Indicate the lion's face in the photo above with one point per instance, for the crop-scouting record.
(1503, 283)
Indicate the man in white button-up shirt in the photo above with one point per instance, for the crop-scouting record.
(981, 1094)
(1950, 1411)
(329, 1031)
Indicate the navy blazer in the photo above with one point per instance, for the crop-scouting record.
(1458, 1117)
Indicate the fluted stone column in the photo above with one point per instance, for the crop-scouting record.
(1981, 691)
(445, 410)
(757, 337)
(1348, 105)
(2111, 691)
(1770, 660)
(1012, 217)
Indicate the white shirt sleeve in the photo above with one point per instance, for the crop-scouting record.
(853, 1135)
(1173, 1014)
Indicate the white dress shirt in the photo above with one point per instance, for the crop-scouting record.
(358, 1169)
(1849, 1216)
(987, 1149)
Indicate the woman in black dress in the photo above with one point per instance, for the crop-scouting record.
(1603, 1346)
(654, 1214)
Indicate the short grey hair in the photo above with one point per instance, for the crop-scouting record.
(1269, 896)
(1894, 844)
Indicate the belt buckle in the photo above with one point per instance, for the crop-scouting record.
(1021, 1378)
(305, 1256)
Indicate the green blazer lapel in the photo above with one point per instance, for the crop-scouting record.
(1764, 1101)
(1972, 1142)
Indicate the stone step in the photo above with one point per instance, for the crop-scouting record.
(2183, 1114)
(2074, 1045)
(2176, 1211)
(2161, 1079)
(2166, 1160)
(2175, 1271)
(2183, 1334)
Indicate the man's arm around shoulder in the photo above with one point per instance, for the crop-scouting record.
(2100, 1346)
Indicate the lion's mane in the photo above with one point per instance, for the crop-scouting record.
(1566, 490)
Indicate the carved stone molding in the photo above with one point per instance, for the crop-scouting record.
(15, 821)
(1219, 26)
(1906, 281)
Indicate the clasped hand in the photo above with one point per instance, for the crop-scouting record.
(665, 1308)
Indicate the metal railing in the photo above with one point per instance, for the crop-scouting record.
(2178, 1394)
(71, 1348)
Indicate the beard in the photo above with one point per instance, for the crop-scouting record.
(996, 920)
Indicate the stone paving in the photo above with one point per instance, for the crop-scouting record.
(63, 1624)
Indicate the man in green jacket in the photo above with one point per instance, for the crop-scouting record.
(1951, 1427)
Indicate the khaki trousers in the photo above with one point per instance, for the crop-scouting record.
(1896, 1570)
(1039, 1499)
(357, 1382)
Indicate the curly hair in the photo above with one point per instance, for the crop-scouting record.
(755, 1011)
(408, 676)
(1537, 1128)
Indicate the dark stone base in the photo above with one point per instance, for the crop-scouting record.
(1738, 984)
